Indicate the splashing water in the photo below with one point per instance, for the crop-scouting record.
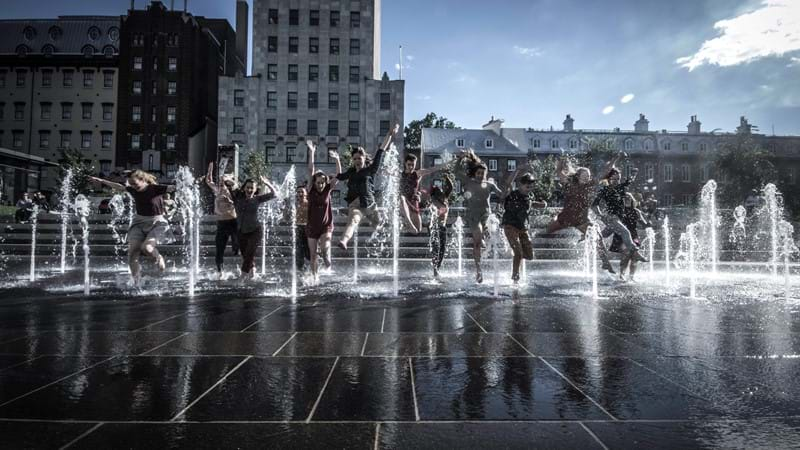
(391, 205)
(710, 221)
(592, 235)
(82, 209)
(493, 224)
(34, 223)
(775, 212)
(458, 226)
(65, 204)
(187, 198)
(651, 243)
(666, 231)
(118, 218)
(738, 233)
(788, 250)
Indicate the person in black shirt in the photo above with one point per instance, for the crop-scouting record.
(440, 201)
(517, 206)
(361, 187)
(612, 196)
(632, 216)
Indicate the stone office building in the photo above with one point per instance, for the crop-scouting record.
(170, 64)
(316, 74)
(58, 90)
(673, 165)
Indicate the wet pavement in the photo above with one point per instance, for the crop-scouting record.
(443, 365)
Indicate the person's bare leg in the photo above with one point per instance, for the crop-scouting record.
(407, 215)
(477, 243)
(417, 218)
(134, 249)
(312, 250)
(556, 226)
(353, 219)
(325, 243)
(149, 249)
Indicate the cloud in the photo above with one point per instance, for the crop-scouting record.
(528, 52)
(423, 98)
(410, 57)
(626, 98)
(771, 30)
(794, 62)
(608, 110)
(465, 78)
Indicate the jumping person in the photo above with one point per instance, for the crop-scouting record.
(440, 199)
(225, 211)
(148, 225)
(632, 216)
(409, 191)
(609, 204)
(319, 230)
(477, 192)
(517, 204)
(301, 225)
(246, 203)
(361, 187)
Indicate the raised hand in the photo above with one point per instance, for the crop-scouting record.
(311, 147)
(333, 154)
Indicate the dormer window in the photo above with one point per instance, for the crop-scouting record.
(460, 143)
(489, 143)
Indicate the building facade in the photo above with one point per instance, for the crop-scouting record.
(58, 91)
(170, 64)
(673, 165)
(316, 75)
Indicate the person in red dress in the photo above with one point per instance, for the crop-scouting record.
(410, 193)
(319, 227)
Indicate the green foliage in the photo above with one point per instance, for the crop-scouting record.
(413, 131)
(256, 166)
(544, 172)
(746, 165)
(597, 152)
(72, 158)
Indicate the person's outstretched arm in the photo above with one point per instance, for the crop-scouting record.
(312, 150)
(272, 190)
(210, 179)
(335, 179)
(611, 164)
(111, 184)
(377, 160)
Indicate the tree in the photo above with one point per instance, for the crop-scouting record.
(412, 135)
(256, 166)
(544, 172)
(597, 152)
(72, 159)
(747, 165)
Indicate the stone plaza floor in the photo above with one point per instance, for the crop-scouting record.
(442, 366)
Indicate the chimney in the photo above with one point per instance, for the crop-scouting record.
(494, 125)
(744, 126)
(641, 125)
(694, 126)
(172, 5)
(185, 6)
(569, 123)
(131, 5)
(242, 22)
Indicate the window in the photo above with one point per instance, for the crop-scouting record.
(292, 72)
(294, 44)
(334, 22)
(511, 165)
(313, 100)
(354, 74)
(313, 45)
(272, 44)
(47, 78)
(86, 139)
(573, 143)
(137, 87)
(45, 110)
(44, 139)
(354, 103)
(537, 143)
(172, 64)
(333, 128)
(649, 172)
(19, 111)
(272, 72)
(86, 111)
(153, 141)
(136, 113)
(384, 127)
(667, 145)
(291, 127)
(294, 17)
(106, 139)
(668, 200)
(272, 125)
(67, 78)
(352, 128)
(66, 111)
(686, 199)
(334, 46)
(105, 166)
(238, 97)
(489, 143)
(333, 101)
(703, 147)
(138, 40)
(290, 154)
(137, 63)
(668, 173)
(88, 79)
(706, 172)
(155, 87)
(172, 40)
(493, 165)
(172, 88)
(66, 139)
(21, 75)
(291, 100)
(386, 101)
(171, 114)
(311, 128)
(685, 146)
(2, 78)
(313, 17)
(628, 144)
(355, 19)
(272, 100)
(554, 143)
(648, 145)
(136, 141)
(272, 16)
(155, 64)
(686, 173)
(153, 115)
(171, 142)
(172, 168)
(270, 151)
(313, 73)
(108, 79)
(17, 138)
(238, 124)
(355, 47)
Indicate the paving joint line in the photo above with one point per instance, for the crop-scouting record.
(322, 391)
(591, 433)
(377, 433)
(413, 389)
(473, 421)
(577, 388)
(161, 345)
(476, 322)
(674, 383)
(520, 344)
(364, 347)
(159, 322)
(383, 320)
(24, 362)
(284, 344)
(220, 381)
(83, 435)
(259, 320)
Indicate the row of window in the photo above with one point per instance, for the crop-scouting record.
(18, 139)
(46, 111)
(67, 78)
(137, 140)
(334, 45)
(172, 63)
(292, 100)
(628, 145)
(313, 74)
(334, 18)
(487, 143)
(136, 114)
(312, 127)
(171, 39)
(172, 87)
(292, 156)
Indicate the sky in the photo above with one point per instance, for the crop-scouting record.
(531, 62)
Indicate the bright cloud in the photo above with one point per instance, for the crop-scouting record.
(771, 30)
(423, 98)
(794, 62)
(608, 110)
(528, 52)
(410, 57)
(626, 98)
